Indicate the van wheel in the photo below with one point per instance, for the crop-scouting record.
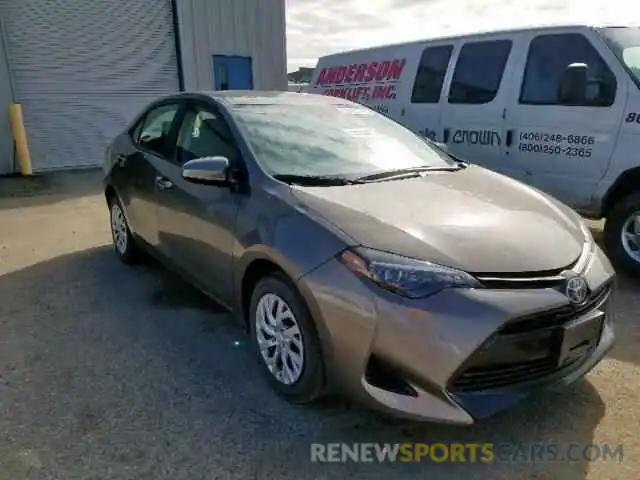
(285, 341)
(622, 234)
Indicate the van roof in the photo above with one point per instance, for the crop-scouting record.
(479, 33)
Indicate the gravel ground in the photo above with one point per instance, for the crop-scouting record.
(112, 372)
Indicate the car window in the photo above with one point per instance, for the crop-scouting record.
(204, 133)
(331, 140)
(430, 76)
(550, 55)
(135, 132)
(479, 71)
(156, 130)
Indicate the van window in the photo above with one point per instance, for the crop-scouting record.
(431, 72)
(550, 55)
(625, 43)
(478, 72)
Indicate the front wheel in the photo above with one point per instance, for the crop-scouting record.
(285, 341)
(123, 241)
(622, 234)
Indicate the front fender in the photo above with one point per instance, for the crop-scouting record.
(275, 227)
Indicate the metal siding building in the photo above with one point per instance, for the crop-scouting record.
(81, 69)
(248, 28)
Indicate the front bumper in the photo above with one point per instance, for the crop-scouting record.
(462, 354)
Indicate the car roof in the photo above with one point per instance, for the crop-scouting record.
(233, 98)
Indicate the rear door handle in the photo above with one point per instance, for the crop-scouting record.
(163, 183)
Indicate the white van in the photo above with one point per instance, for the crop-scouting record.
(555, 107)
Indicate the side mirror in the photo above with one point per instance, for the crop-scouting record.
(208, 171)
(573, 88)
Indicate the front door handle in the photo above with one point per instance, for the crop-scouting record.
(163, 183)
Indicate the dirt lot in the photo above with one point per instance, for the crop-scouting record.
(110, 372)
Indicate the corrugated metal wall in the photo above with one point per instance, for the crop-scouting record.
(252, 28)
(83, 68)
(6, 98)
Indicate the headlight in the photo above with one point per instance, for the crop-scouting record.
(405, 276)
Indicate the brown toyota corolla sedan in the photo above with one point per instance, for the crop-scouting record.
(361, 257)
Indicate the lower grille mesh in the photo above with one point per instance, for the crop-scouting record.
(481, 376)
(508, 374)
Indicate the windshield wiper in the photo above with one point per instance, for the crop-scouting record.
(317, 180)
(408, 172)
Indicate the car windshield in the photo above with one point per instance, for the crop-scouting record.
(332, 140)
(625, 43)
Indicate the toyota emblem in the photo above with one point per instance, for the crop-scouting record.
(576, 289)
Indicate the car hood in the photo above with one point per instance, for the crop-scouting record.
(473, 219)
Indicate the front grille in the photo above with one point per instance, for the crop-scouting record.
(534, 280)
(526, 349)
(508, 374)
(559, 316)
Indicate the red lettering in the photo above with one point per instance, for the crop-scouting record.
(397, 66)
(364, 72)
(380, 91)
(391, 93)
(371, 71)
(352, 94)
(340, 74)
(326, 78)
(362, 68)
(383, 70)
(350, 72)
(322, 76)
(333, 75)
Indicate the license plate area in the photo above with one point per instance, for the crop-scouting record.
(579, 337)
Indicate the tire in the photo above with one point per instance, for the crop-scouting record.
(616, 223)
(308, 385)
(123, 241)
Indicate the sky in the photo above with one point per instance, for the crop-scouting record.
(320, 27)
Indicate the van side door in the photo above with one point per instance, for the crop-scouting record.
(565, 145)
(422, 113)
(473, 112)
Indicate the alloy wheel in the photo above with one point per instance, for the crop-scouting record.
(630, 236)
(119, 229)
(279, 339)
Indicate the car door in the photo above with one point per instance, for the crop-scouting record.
(473, 115)
(197, 222)
(135, 170)
(566, 148)
(423, 112)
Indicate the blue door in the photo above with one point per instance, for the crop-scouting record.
(231, 72)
